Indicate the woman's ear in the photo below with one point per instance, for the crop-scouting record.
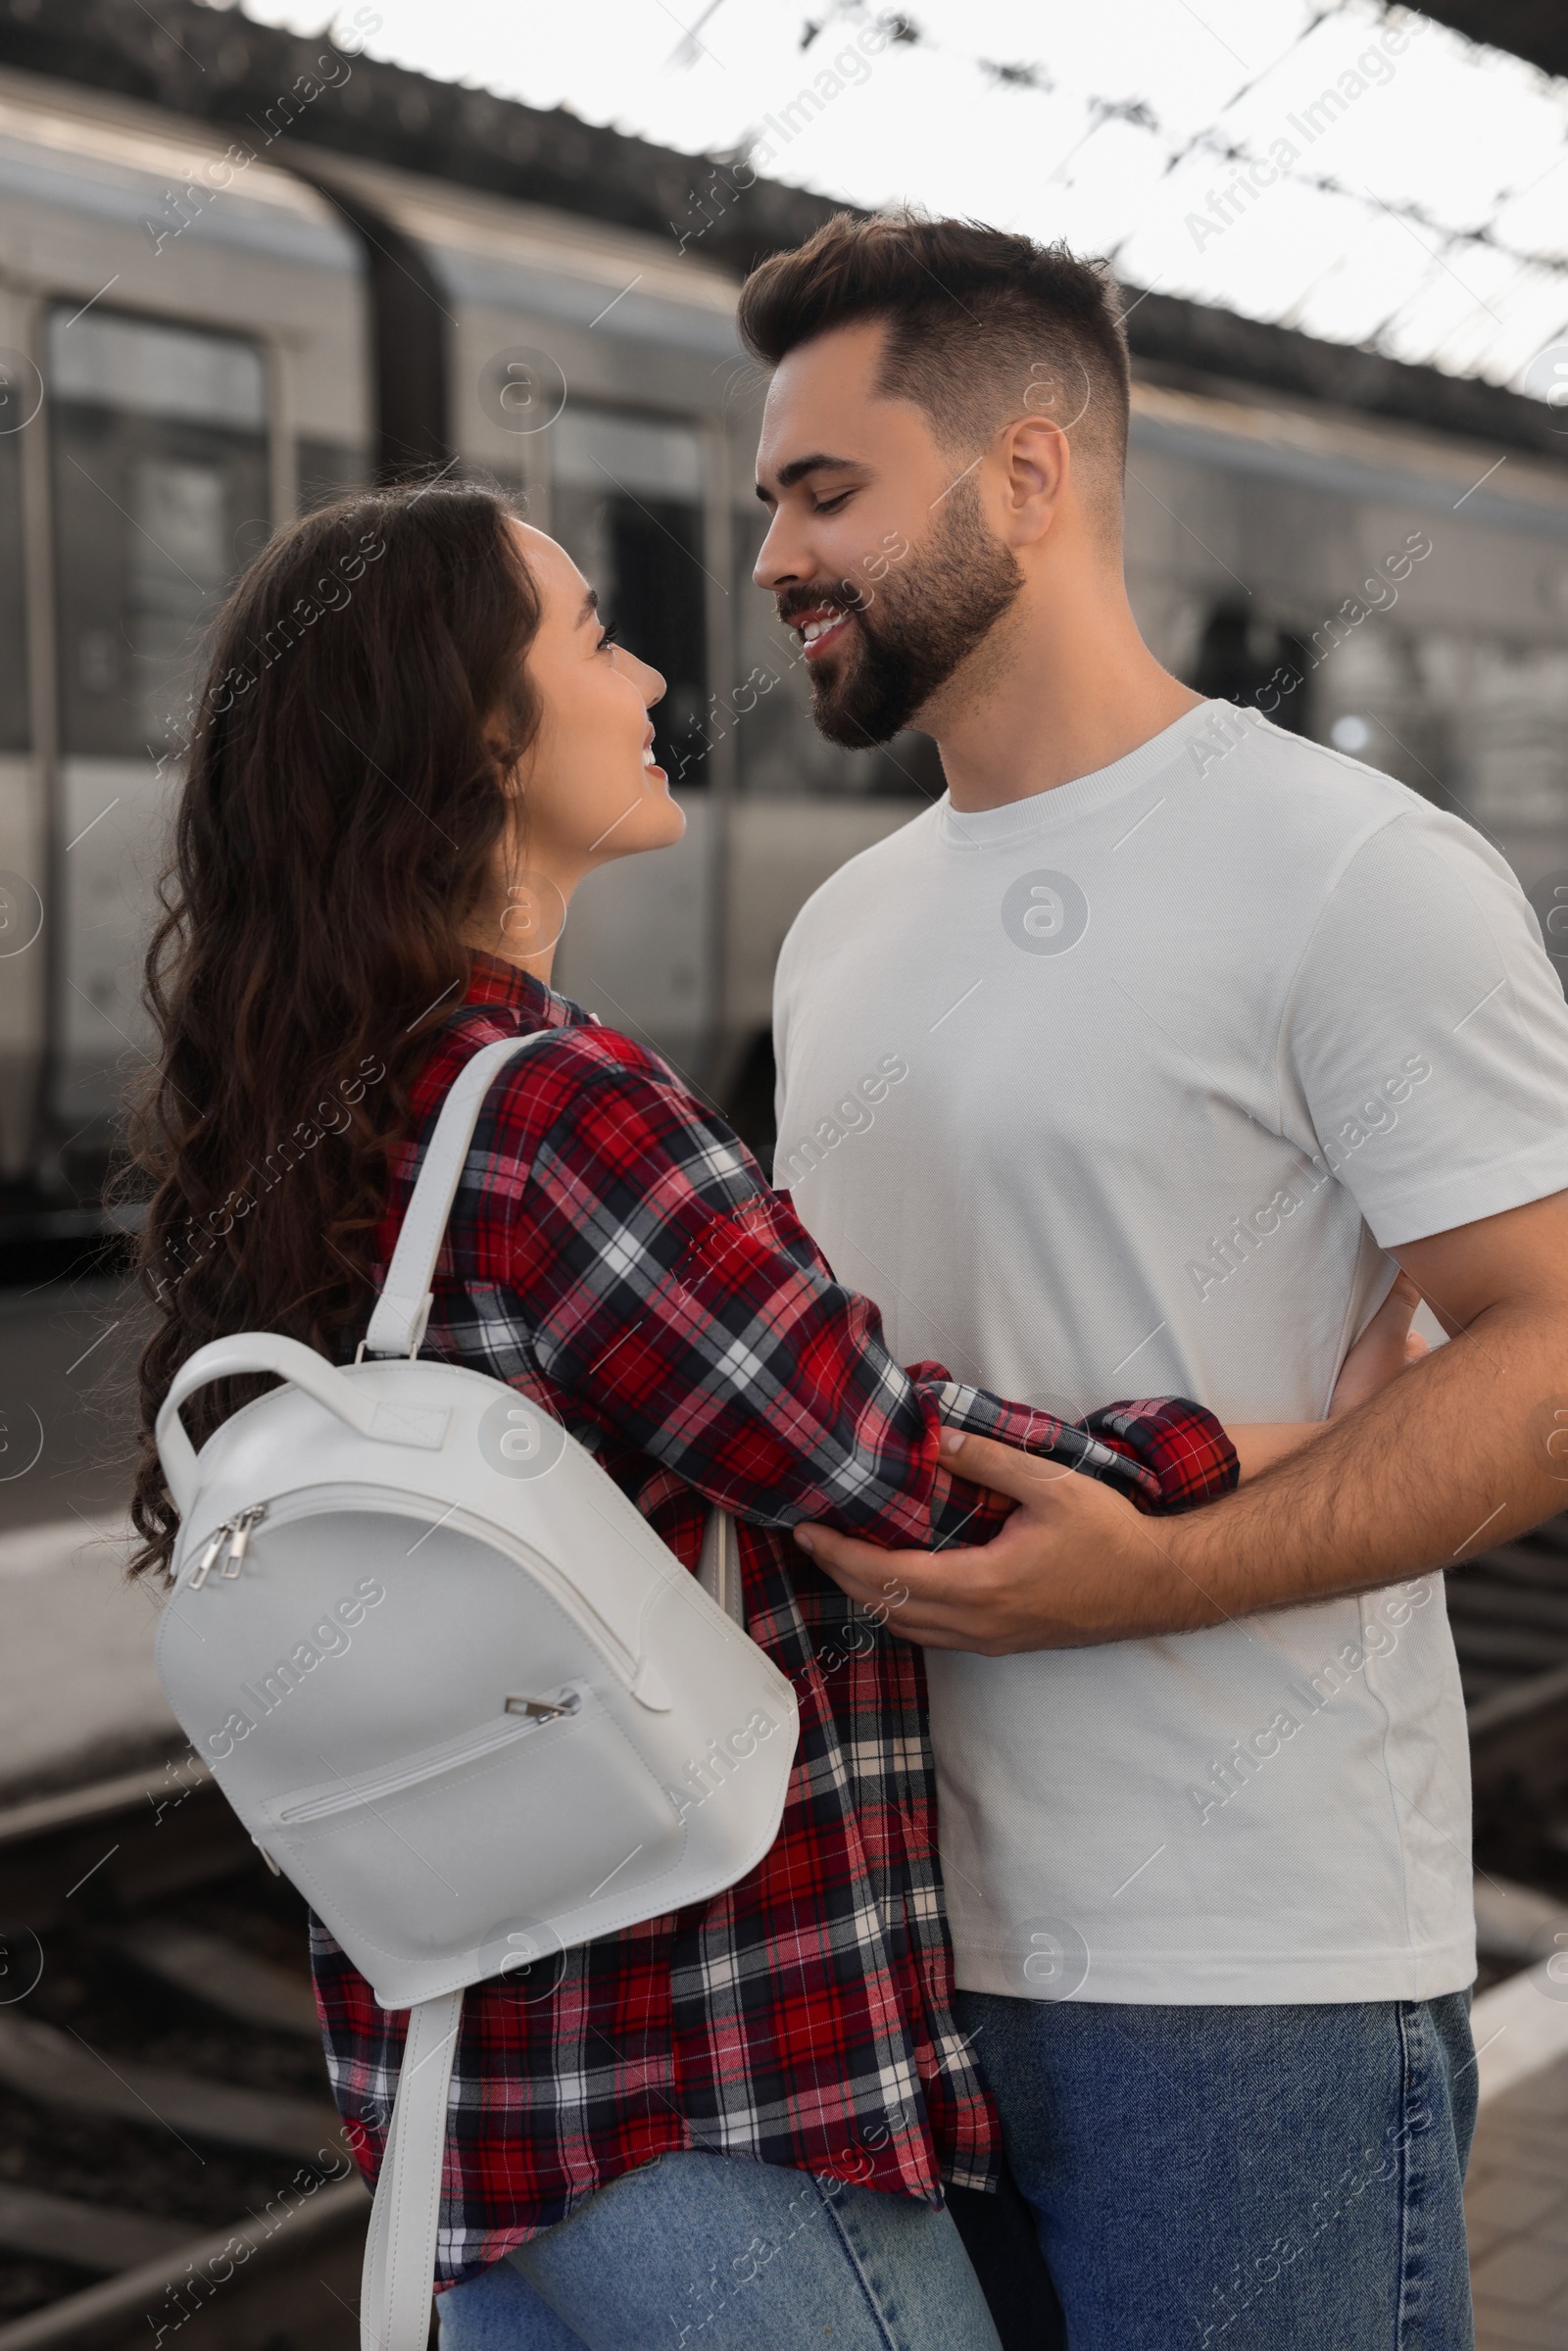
(514, 752)
(510, 775)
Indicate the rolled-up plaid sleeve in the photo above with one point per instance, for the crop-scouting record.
(681, 1305)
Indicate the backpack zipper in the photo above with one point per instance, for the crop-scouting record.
(236, 1532)
(623, 1660)
(389, 1782)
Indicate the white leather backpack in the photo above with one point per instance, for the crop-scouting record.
(451, 1681)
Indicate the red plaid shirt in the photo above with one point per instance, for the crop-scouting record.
(617, 1255)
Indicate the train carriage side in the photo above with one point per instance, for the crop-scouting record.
(1397, 593)
(205, 327)
(191, 320)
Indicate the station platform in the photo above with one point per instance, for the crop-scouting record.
(1516, 2198)
(79, 1697)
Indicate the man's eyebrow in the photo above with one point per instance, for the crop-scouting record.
(590, 606)
(798, 467)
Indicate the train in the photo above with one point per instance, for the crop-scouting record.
(230, 294)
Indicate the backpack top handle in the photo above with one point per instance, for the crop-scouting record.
(228, 1359)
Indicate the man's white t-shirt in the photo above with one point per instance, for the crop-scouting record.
(1125, 1090)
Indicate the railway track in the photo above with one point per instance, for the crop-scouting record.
(172, 2169)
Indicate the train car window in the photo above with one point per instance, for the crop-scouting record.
(14, 731)
(158, 442)
(627, 501)
(1242, 659)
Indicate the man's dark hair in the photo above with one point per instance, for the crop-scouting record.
(983, 327)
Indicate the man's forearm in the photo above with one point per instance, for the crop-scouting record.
(1455, 1454)
(1448, 1459)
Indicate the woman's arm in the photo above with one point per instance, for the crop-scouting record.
(1262, 1442)
(681, 1305)
(1379, 1356)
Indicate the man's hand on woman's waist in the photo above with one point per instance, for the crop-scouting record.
(1463, 1450)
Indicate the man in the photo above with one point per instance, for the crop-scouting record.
(1198, 1029)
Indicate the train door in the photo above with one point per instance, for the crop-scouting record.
(21, 851)
(160, 492)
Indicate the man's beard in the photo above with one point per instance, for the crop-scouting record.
(914, 628)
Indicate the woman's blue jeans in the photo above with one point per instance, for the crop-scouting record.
(713, 2253)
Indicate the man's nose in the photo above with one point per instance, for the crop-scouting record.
(778, 561)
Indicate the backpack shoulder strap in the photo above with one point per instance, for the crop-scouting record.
(400, 2247)
(718, 1570)
(403, 1309)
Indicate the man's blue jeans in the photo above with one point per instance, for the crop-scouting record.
(713, 2253)
(1257, 2179)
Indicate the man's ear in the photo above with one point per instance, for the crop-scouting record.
(1037, 462)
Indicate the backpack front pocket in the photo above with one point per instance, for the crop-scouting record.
(516, 1819)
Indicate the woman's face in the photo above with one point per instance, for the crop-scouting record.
(590, 790)
(587, 788)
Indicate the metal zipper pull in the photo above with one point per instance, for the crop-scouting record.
(209, 1557)
(243, 1522)
(543, 1710)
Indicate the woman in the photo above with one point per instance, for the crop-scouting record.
(732, 2124)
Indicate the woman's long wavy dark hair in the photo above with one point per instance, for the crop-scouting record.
(366, 695)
